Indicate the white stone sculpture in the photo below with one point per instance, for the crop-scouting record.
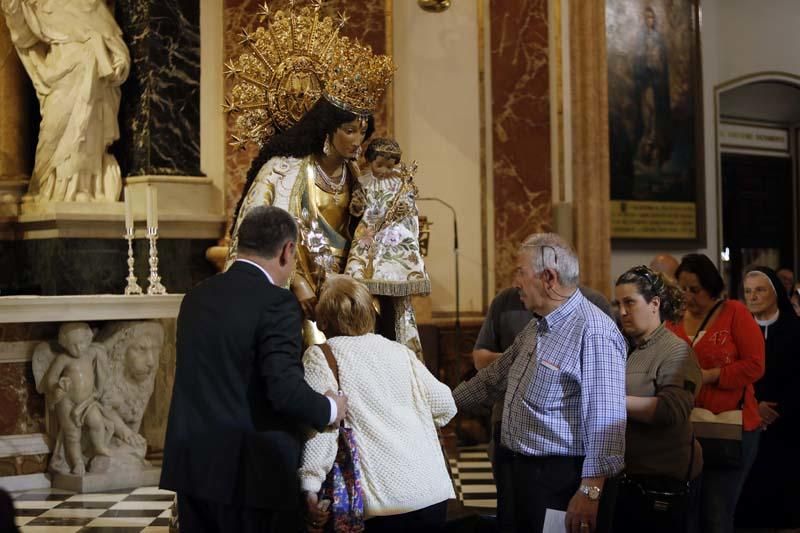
(72, 380)
(133, 352)
(75, 56)
(98, 392)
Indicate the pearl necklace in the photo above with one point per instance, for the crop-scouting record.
(329, 183)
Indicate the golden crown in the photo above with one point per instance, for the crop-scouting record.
(385, 147)
(290, 62)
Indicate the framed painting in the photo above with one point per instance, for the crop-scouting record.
(655, 123)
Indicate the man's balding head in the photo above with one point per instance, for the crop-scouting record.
(665, 263)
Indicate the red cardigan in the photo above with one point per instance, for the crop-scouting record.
(733, 343)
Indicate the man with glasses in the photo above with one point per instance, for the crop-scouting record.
(563, 384)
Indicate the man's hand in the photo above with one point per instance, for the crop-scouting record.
(315, 517)
(582, 511)
(483, 358)
(768, 412)
(341, 405)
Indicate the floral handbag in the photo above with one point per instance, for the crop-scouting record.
(342, 486)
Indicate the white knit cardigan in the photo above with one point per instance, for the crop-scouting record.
(394, 402)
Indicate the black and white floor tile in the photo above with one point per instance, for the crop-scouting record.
(472, 476)
(145, 509)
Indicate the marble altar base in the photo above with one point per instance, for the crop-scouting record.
(120, 479)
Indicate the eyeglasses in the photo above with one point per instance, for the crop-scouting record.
(648, 274)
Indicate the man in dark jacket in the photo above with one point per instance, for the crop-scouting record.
(240, 404)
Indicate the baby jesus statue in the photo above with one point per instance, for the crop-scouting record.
(385, 254)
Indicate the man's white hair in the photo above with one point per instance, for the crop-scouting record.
(550, 251)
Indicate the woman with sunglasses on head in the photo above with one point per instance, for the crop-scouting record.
(661, 379)
(730, 350)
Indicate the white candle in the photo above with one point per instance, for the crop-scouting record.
(128, 209)
(155, 207)
(151, 207)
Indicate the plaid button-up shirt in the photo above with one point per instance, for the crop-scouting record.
(564, 385)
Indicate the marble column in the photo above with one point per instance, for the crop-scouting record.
(520, 127)
(368, 22)
(22, 409)
(590, 159)
(160, 111)
(16, 141)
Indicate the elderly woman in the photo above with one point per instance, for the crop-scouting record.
(395, 406)
(730, 350)
(661, 379)
(769, 495)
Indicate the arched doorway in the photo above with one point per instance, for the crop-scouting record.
(758, 117)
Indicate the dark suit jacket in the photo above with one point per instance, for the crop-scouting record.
(240, 404)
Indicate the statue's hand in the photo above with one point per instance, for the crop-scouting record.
(309, 305)
(64, 383)
(131, 437)
(119, 68)
(305, 295)
(58, 395)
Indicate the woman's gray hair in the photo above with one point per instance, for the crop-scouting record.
(550, 251)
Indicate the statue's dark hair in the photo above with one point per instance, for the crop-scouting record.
(304, 138)
(374, 149)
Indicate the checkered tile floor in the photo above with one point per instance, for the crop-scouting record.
(472, 476)
(144, 509)
(147, 509)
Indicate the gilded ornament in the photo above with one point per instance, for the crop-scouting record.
(291, 61)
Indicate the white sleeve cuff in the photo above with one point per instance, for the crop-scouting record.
(310, 485)
(334, 410)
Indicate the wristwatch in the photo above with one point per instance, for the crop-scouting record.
(590, 491)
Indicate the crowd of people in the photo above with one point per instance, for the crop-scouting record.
(594, 407)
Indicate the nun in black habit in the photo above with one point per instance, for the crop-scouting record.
(770, 495)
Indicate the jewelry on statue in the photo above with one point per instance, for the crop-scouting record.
(132, 287)
(335, 187)
(155, 286)
(327, 149)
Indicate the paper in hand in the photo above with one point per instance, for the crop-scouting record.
(554, 521)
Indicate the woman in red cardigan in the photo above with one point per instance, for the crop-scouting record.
(730, 350)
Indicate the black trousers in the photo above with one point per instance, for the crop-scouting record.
(196, 515)
(503, 470)
(541, 483)
(656, 505)
(427, 520)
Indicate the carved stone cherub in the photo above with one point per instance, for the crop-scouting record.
(99, 391)
(72, 381)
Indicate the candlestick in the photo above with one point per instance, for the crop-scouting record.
(132, 287)
(155, 286)
(128, 209)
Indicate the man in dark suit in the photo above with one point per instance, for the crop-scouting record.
(240, 405)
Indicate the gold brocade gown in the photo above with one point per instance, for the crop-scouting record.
(333, 209)
(323, 217)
